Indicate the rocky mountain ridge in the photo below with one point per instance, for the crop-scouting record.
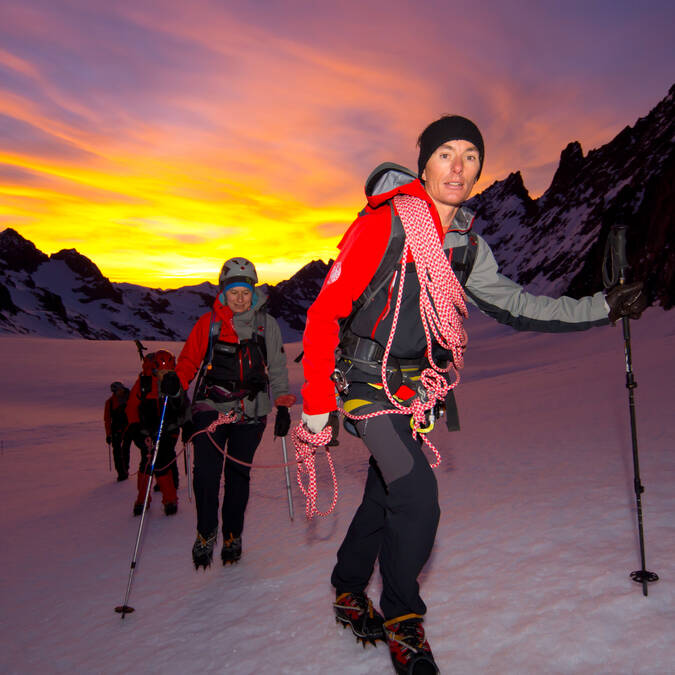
(552, 245)
(555, 244)
(66, 295)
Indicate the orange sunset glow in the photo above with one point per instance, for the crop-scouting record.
(159, 139)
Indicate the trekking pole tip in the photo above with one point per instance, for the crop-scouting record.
(644, 577)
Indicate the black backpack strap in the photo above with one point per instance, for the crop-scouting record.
(384, 271)
(214, 332)
(260, 332)
(462, 263)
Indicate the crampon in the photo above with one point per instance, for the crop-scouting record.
(355, 610)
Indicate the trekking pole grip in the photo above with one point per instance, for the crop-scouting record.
(617, 237)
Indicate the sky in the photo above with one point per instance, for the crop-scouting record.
(529, 573)
(161, 138)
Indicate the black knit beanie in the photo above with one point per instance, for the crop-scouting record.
(448, 128)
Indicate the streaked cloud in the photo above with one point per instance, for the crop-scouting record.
(161, 138)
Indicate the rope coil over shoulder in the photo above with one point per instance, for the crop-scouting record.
(442, 311)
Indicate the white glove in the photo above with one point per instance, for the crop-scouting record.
(315, 423)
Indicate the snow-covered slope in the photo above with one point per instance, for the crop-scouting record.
(529, 574)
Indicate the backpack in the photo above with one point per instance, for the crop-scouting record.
(383, 178)
(118, 413)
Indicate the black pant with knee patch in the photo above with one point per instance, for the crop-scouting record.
(396, 521)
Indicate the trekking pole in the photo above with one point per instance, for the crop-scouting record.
(188, 470)
(288, 477)
(124, 608)
(615, 257)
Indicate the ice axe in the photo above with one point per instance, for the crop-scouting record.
(614, 269)
(141, 349)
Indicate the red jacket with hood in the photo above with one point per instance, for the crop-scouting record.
(361, 250)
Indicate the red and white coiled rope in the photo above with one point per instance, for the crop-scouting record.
(306, 444)
(442, 310)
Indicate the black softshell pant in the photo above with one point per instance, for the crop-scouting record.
(239, 441)
(121, 445)
(396, 521)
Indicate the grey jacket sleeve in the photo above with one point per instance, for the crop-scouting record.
(507, 302)
(276, 359)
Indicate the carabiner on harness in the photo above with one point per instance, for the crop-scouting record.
(340, 380)
(430, 421)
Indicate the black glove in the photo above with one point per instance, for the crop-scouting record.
(334, 424)
(108, 439)
(282, 422)
(626, 300)
(170, 385)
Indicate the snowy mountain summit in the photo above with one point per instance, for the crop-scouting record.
(562, 233)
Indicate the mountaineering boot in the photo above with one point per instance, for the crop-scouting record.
(169, 496)
(409, 649)
(142, 485)
(356, 611)
(202, 549)
(231, 550)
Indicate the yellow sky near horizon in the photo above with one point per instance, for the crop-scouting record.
(161, 140)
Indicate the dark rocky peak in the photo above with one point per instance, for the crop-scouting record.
(504, 200)
(570, 167)
(96, 286)
(310, 275)
(19, 254)
(511, 186)
(313, 270)
(78, 263)
(662, 113)
(290, 299)
(514, 184)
